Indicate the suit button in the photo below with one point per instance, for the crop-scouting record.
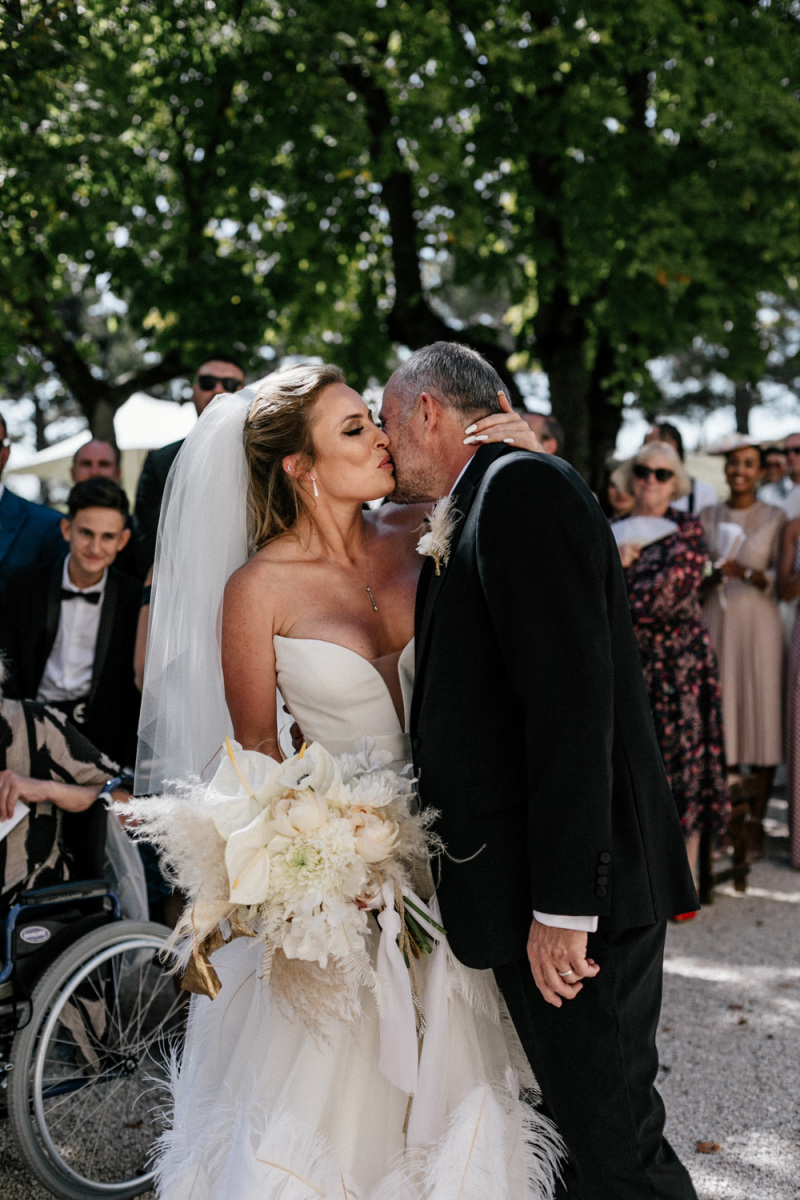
(416, 743)
(605, 857)
(602, 874)
(600, 891)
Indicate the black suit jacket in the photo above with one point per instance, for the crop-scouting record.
(149, 494)
(28, 626)
(530, 723)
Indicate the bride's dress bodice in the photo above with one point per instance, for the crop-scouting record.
(337, 696)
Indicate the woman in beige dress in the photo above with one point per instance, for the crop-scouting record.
(742, 616)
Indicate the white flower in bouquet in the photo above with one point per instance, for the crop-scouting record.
(375, 835)
(299, 812)
(247, 861)
(325, 860)
(314, 769)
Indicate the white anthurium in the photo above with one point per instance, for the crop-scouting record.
(248, 862)
(230, 814)
(245, 782)
(312, 769)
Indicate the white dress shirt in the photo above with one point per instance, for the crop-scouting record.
(68, 671)
(557, 921)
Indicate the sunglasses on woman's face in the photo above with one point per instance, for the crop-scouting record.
(229, 382)
(662, 474)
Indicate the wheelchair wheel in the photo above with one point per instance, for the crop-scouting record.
(88, 1092)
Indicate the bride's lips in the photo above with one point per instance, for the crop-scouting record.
(386, 463)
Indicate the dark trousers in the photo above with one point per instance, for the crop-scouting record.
(595, 1060)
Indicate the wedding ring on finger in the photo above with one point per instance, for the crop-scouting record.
(565, 973)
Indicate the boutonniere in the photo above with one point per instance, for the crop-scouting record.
(435, 543)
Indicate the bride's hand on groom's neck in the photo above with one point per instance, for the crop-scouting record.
(506, 426)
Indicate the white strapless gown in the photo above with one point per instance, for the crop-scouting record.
(262, 1112)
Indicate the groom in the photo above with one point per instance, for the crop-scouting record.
(532, 737)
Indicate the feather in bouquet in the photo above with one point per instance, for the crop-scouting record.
(295, 854)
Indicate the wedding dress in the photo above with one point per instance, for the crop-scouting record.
(262, 1111)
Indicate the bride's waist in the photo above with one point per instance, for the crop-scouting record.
(398, 745)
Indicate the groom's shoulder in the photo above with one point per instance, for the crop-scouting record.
(524, 472)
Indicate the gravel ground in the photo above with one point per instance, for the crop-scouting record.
(730, 1039)
(729, 1043)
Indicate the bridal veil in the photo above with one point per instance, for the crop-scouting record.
(202, 540)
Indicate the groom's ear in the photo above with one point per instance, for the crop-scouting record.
(431, 410)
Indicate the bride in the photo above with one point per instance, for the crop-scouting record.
(266, 501)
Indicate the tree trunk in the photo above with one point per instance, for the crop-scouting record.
(744, 398)
(102, 421)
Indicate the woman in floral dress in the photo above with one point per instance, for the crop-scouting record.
(680, 669)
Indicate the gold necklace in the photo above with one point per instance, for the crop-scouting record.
(341, 570)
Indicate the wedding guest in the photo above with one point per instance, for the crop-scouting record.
(791, 504)
(617, 500)
(789, 590)
(219, 374)
(50, 766)
(746, 630)
(68, 630)
(549, 431)
(777, 482)
(664, 580)
(29, 533)
(97, 459)
(701, 494)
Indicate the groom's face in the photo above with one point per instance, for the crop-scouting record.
(412, 465)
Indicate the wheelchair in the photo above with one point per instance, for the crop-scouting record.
(91, 1018)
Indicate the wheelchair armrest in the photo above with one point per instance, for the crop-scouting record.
(87, 889)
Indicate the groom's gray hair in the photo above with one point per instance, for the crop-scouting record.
(458, 375)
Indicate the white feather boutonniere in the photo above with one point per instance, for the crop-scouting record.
(441, 521)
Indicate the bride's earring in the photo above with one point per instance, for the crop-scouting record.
(316, 489)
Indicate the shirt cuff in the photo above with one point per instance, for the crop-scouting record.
(581, 924)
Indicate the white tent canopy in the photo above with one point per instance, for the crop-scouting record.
(142, 423)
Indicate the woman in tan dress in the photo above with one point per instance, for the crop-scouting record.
(742, 616)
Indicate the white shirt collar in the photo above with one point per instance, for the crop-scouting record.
(457, 480)
(69, 586)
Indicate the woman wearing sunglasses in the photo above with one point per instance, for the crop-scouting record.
(743, 619)
(664, 579)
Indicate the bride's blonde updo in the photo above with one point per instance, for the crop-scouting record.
(279, 423)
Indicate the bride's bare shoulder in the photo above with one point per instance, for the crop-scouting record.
(261, 578)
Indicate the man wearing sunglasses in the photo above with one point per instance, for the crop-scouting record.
(217, 375)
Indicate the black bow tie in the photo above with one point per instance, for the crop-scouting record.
(89, 597)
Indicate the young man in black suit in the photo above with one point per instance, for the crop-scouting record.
(68, 631)
(532, 736)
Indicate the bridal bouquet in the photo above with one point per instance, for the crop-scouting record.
(295, 854)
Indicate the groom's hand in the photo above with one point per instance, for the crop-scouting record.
(551, 953)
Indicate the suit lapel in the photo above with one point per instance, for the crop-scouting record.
(105, 631)
(53, 613)
(463, 497)
(12, 518)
